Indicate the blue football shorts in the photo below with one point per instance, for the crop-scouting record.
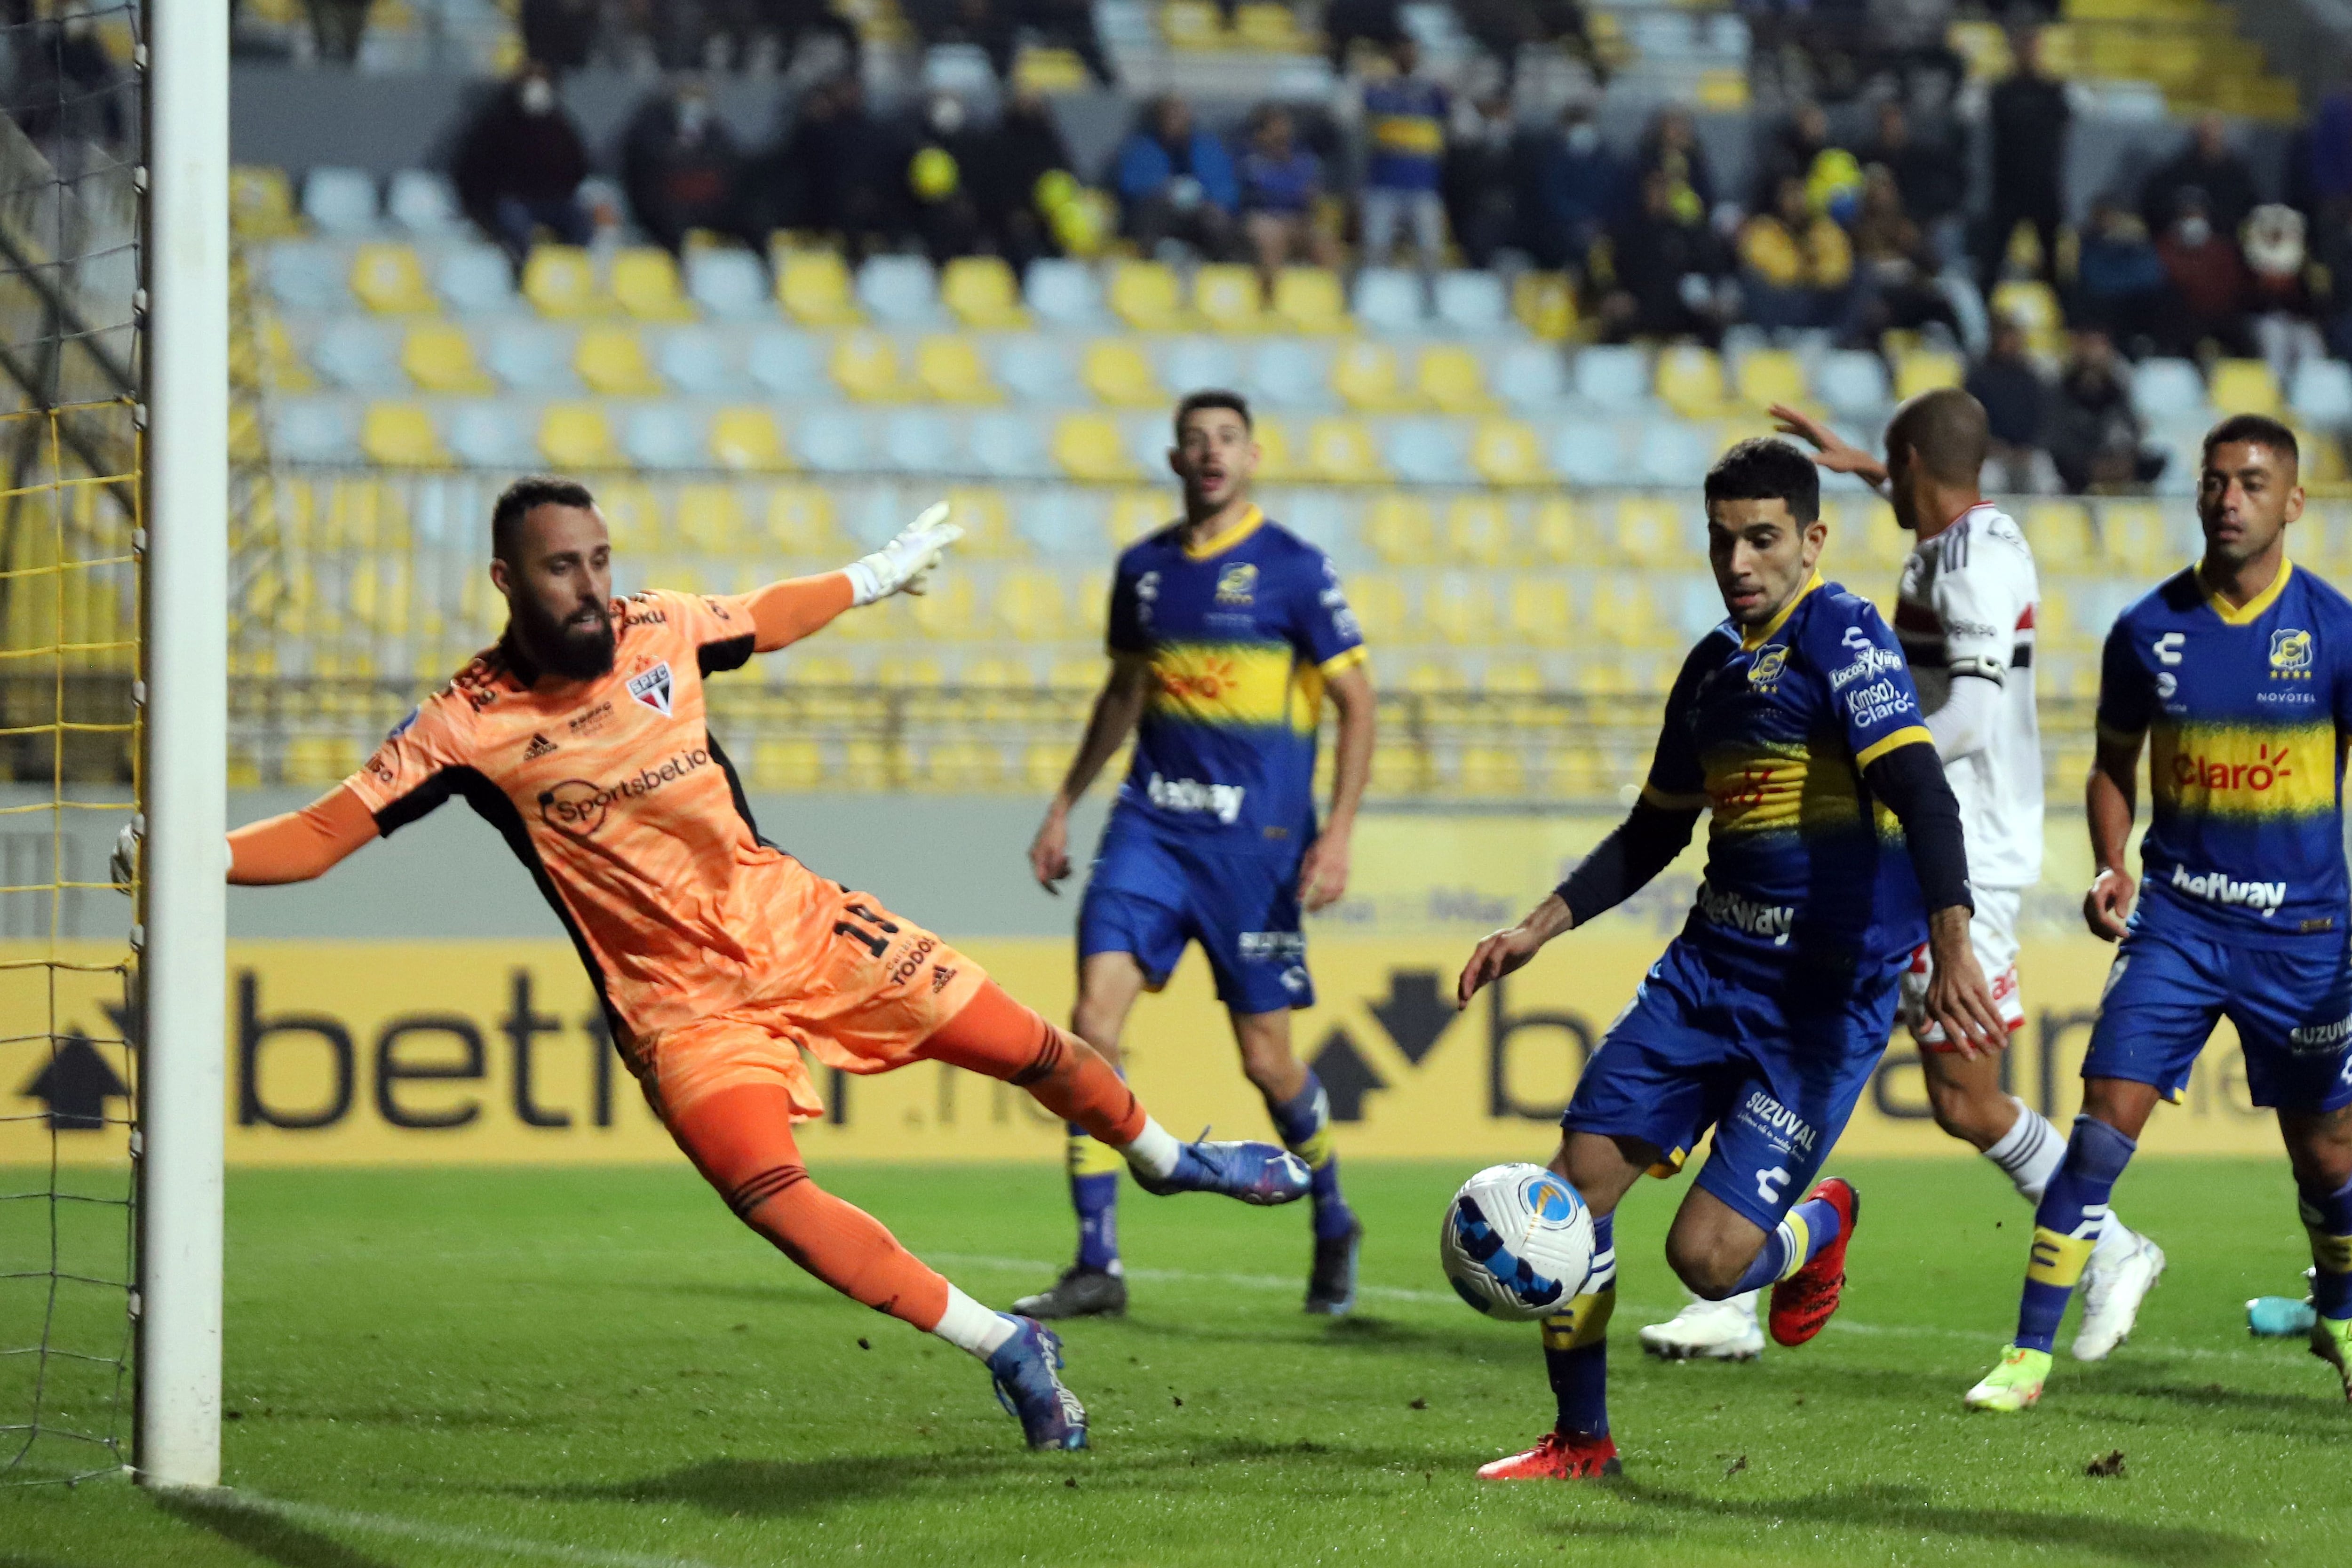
(1773, 1062)
(1149, 895)
(2293, 1009)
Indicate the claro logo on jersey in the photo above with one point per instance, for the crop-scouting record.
(2215, 888)
(2265, 772)
(1727, 909)
(578, 806)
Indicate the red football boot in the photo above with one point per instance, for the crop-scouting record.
(1558, 1458)
(1802, 1302)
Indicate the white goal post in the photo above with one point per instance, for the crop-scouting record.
(183, 908)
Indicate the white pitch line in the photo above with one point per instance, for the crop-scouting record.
(427, 1534)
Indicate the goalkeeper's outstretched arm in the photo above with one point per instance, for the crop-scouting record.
(783, 613)
(300, 844)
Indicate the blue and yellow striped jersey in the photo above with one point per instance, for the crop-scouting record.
(1769, 729)
(1240, 631)
(2245, 711)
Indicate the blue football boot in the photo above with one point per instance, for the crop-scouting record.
(1023, 1368)
(1260, 1173)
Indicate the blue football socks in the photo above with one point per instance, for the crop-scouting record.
(1804, 1231)
(2327, 1217)
(1094, 1193)
(2066, 1227)
(1304, 1124)
(1576, 1342)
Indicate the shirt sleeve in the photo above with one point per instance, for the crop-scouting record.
(1980, 606)
(419, 764)
(1131, 597)
(1869, 684)
(720, 627)
(1677, 779)
(1322, 626)
(2127, 692)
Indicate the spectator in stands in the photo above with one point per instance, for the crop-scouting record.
(520, 164)
(1931, 173)
(1666, 269)
(944, 151)
(2322, 172)
(1796, 265)
(561, 34)
(1025, 147)
(2208, 281)
(2283, 290)
(1792, 152)
(681, 168)
(1070, 23)
(1404, 126)
(337, 26)
(1280, 184)
(1504, 27)
(1347, 23)
(1584, 190)
(1896, 283)
(2094, 435)
(1176, 182)
(2214, 168)
(2016, 404)
(1672, 144)
(840, 170)
(2119, 283)
(1483, 180)
(2030, 116)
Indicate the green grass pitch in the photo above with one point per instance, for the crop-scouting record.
(599, 1367)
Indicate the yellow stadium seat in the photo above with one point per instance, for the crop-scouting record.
(1273, 460)
(575, 436)
(1147, 296)
(1341, 451)
(865, 366)
(1559, 533)
(1135, 513)
(800, 521)
(274, 352)
(1772, 375)
(1649, 532)
(612, 361)
(1508, 452)
(1309, 299)
(1477, 531)
(1379, 602)
(2033, 306)
(1119, 372)
(633, 510)
(1193, 24)
(874, 765)
(982, 511)
(1449, 376)
(949, 368)
(2056, 625)
(1366, 376)
(390, 281)
(1029, 604)
(261, 202)
(949, 608)
(1044, 765)
(1270, 27)
(963, 765)
(1622, 610)
(320, 759)
(439, 357)
(560, 281)
(1227, 297)
(710, 519)
(1074, 674)
(1491, 773)
(983, 294)
(644, 283)
(1461, 609)
(745, 438)
(1093, 593)
(813, 286)
(1690, 381)
(2244, 386)
(787, 765)
(2061, 535)
(1925, 370)
(2133, 535)
(1091, 446)
(401, 436)
(1401, 531)
(1545, 303)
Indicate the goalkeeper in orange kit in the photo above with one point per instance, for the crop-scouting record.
(582, 736)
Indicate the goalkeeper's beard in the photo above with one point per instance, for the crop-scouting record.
(574, 649)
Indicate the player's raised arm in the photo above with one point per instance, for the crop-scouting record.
(300, 845)
(1117, 708)
(1829, 450)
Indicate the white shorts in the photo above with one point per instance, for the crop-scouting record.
(1993, 933)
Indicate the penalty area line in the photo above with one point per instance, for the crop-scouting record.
(427, 1534)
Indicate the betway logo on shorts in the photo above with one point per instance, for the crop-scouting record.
(2215, 888)
(1192, 797)
(1767, 1115)
(576, 805)
(1727, 909)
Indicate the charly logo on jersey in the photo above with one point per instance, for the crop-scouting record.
(652, 688)
(1237, 584)
(2290, 650)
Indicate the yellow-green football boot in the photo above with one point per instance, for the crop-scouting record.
(2012, 1385)
(2331, 1341)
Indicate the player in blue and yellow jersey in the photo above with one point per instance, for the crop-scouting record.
(1833, 851)
(2236, 674)
(1227, 633)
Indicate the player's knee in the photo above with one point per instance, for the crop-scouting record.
(1704, 1265)
(1098, 1027)
(1964, 1111)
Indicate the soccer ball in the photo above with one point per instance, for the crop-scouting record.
(1517, 1243)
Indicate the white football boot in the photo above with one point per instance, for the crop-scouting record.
(1708, 1331)
(2113, 1288)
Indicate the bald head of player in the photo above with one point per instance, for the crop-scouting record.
(1216, 456)
(2248, 490)
(1935, 448)
(551, 559)
(1764, 527)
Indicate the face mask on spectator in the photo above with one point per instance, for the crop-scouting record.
(947, 116)
(1584, 138)
(2193, 231)
(538, 97)
(693, 114)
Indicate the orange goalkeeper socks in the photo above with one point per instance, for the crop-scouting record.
(998, 1036)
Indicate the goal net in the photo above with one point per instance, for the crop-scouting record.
(69, 616)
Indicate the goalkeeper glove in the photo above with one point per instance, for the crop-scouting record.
(904, 565)
(123, 865)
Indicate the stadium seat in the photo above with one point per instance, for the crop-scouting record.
(1309, 299)
(315, 430)
(1541, 611)
(1367, 377)
(488, 436)
(1589, 454)
(1472, 303)
(2168, 391)
(1623, 613)
(782, 362)
(949, 368)
(2245, 386)
(950, 609)
(1342, 451)
(956, 766)
(307, 276)
(664, 435)
(1851, 384)
(1226, 297)
(788, 764)
(1449, 376)
(1035, 369)
(745, 438)
(1092, 446)
(1767, 376)
(475, 280)
(1478, 531)
(729, 285)
(898, 291)
(1134, 513)
(1460, 607)
(1190, 363)
(983, 295)
(1671, 454)
(834, 441)
(865, 366)
(1613, 377)
(611, 361)
(2321, 393)
(1401, 530)
(1379, 602)
(1532, 378)
(2134, 537)
(1507, 452)
(1119, 372)
(813, 286)
(575, 436)
(1029, 605)
(260, 202)
(1690, 381)
(1275, 464)
(1491, 773)
(560, 281)
(389, 280)
(1925, 370)
(1289, 373)
(530, 357)
(423, 203)
(359, 354)
(339, 201)
(1065, 293)
(695, 361)
(2061, 535)
(1545, 304)
(920, 441)
(1010, 446)
(645, 284)
(710, 519)
(1427, 451)
(1147, 296)
(401, 436)
(799, 523)
(1388, 300)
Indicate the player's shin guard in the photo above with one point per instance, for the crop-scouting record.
(1304, 1122)
(1576, 1342)
(1802, 1232)
(2327, 1217)
(1094, 1193)
(2066, 1227)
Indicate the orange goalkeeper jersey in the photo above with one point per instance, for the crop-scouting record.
(616, 795)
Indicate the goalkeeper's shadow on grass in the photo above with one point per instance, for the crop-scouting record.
(269, 1536)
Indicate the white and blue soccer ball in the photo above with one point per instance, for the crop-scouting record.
(1517, 1243)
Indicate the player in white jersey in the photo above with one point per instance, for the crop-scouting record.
(1964, 613)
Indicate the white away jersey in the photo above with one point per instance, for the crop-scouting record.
(1964, 608)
